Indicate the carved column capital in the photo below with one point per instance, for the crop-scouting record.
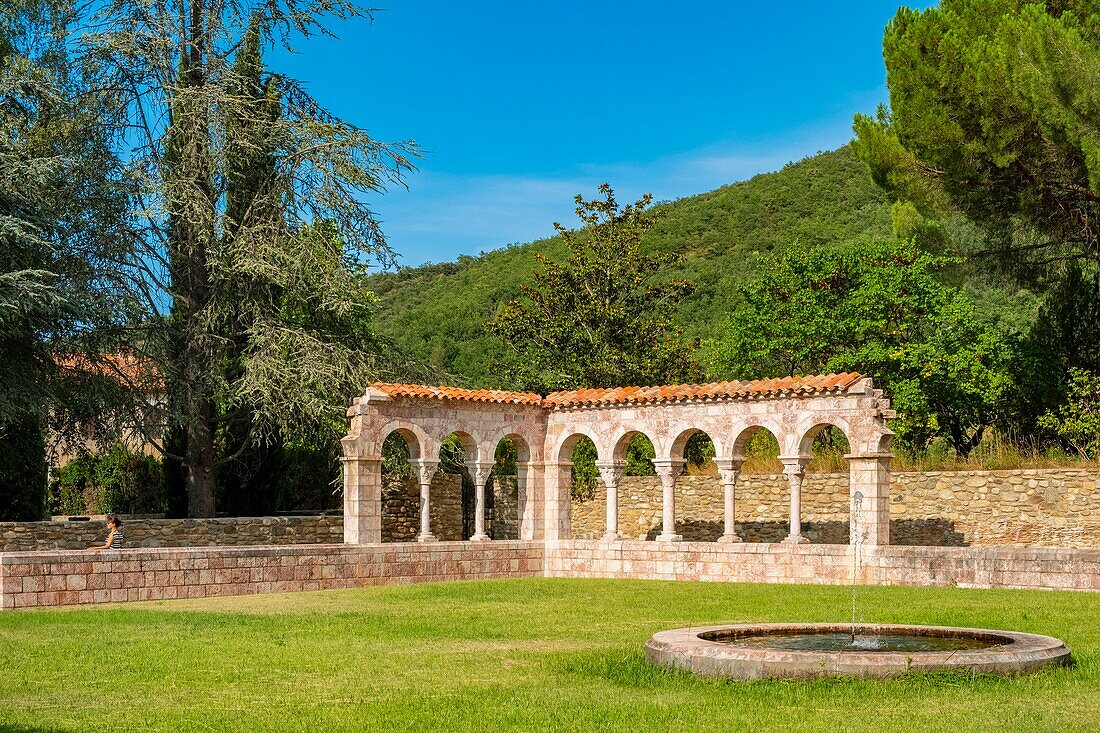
(425, 469)
(728, 470)
(794, 465)
(667, 469)
(611, 472)
(480, 470)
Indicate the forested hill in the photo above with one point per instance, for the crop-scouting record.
(437, 312)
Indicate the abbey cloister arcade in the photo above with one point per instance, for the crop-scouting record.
(545, 430)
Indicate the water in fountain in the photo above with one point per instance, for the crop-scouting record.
(857, 641)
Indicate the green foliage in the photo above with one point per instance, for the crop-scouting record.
(875, 307)
(993, 109)
(1078, 421)
(22, 471)
(603, 317)
(118, 481)
(437, 312)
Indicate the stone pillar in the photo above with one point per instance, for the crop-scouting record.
(870, 499)
(480, 471)
(728, 470)
(667, 471)
(794, 468)
(612, 473)
(425, 470)
(528, 496)
(362, 500)
(557, 484)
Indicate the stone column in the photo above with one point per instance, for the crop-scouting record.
(728, 470)
(795, 470)
(870, 499)
(480, 471)
(667, 471)
(612, 473)
(362, 500)
(425, 470)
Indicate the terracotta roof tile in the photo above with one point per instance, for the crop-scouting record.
(755, 389)
(457, 393)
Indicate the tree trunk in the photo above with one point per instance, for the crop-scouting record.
(200, 462)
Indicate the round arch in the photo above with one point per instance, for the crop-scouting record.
(744, 433)
(563, 449)
(622, 443)
(420, 443)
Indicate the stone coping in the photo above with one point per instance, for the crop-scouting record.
(686, 649)
(868, 551)
(150, 553)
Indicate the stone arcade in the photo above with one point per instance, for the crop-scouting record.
(545, 430)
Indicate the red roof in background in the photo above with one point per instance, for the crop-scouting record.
(759, 388)
(127, 368)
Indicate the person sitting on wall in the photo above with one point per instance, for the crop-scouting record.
(114, 537)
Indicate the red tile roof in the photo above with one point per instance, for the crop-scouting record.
(457, 393)
(756, 389)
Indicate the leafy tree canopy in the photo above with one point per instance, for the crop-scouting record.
(993, 111)
(876, 307)
(603, 317)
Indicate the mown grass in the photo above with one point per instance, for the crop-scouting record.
(524, 655)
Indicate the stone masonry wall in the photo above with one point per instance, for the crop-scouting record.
(1021, 508)
(401, 508)
(30, 536)
(754, 562)
(64, 578)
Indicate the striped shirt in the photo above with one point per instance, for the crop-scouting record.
(115, 539)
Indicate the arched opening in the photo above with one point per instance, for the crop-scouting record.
(826, 489)
(700, 499)
(502, 493)
(763, 498)
(400, 490)
(586, 490)
(637, 514)
(453, 502)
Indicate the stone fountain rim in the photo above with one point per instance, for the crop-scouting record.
(685, 649)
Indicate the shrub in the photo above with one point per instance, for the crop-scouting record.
(119, 481)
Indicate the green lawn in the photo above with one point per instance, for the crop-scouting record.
(525, 655)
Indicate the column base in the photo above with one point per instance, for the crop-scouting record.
(480, 538)
(669, 537)
(729, 539)
(427, 538)
(612, 537)
(795, 540)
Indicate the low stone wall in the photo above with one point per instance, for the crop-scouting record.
(401, 508)
(1040, 568)
(1021, 508)
(227, 531)
(65, 578)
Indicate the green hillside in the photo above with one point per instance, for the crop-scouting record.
(437, 312)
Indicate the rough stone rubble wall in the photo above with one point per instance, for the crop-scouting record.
(401, 508)
(67, 578)
(1020, 508)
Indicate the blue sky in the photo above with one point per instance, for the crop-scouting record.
(520, 106)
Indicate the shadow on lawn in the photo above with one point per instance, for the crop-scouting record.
(13, 728)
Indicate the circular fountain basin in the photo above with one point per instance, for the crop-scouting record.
(806, 651)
